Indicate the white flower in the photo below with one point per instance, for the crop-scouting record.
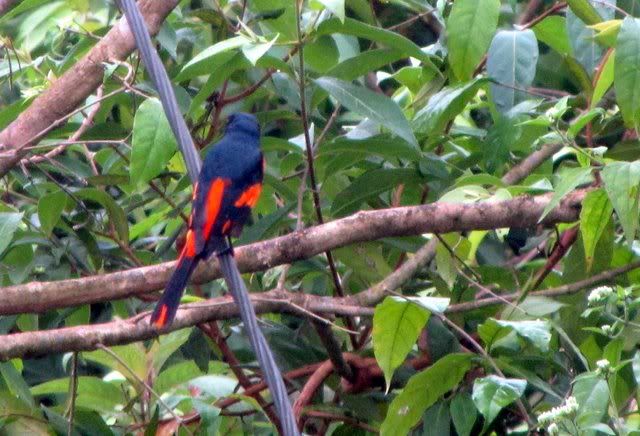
(545, 417)
(553, 429)
(607, 329)
(571, 405)
(599, 295)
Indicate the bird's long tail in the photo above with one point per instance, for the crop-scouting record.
(167, 307)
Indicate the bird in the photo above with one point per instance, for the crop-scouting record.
(228, 187)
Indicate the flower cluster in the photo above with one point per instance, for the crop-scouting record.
(599, 295)
(566, 410)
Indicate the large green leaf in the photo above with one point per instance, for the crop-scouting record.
(627, 71)
(594, 216)
(9, 223)
(422, 391)
(444, 107)
(396, 327)
(153, 142)
(362, 63)
(211, 58)
(491, 394)
(383, 36)
(384, 146)
(592, 395)
(15, 383)
(369, 185)
(376, 107)
(621, 180)
(511, 63)
(93, 393)
(470, 26)
(537, 332)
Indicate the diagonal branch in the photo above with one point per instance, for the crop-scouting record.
(75, 85)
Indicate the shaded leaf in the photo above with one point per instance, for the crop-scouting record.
(594, 216)
(396, 327)
(470, 26)
(153, 142)
(372, 105)
(492, 393)
(621, 180)
(422, 391)
(511, 62)
(8, 225)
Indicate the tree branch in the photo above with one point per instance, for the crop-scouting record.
(521, 211)
(74, 86)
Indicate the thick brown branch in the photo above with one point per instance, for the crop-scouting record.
(84, 338)
(73, 87)
(521, 211)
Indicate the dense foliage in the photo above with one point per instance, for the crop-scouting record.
(364, 105)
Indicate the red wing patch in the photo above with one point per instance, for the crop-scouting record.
(162, 318)
(213, 204)
(250, 196)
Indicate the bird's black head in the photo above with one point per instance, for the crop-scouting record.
(243, 123)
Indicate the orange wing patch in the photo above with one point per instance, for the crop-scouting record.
(250, 196)
(213, 204)
(190, 245)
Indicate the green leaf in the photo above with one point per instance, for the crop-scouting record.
(209, 415)
(444, 107)
(470, 26)
(584, 119)
(511, 62)
(93, 393)
(585, 11)
(569, 180)
(492, 393)
(50, 207)
(211, 58)
(604, 80)
(9, 223)
(553, 32)
(14, 382)
(253, 51)
(116, 214)
(383, 146)
(376, 107)
(536, 332)
(153, 142)
(621, 180)
(176, 375)
(592, 394)
(385, 37)
(396, 327)
(166, 346)
(422, 391)
(594, 216)
(362, 63)
(627, 71)
(463, 413)
(369, 185)
(133, 359)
